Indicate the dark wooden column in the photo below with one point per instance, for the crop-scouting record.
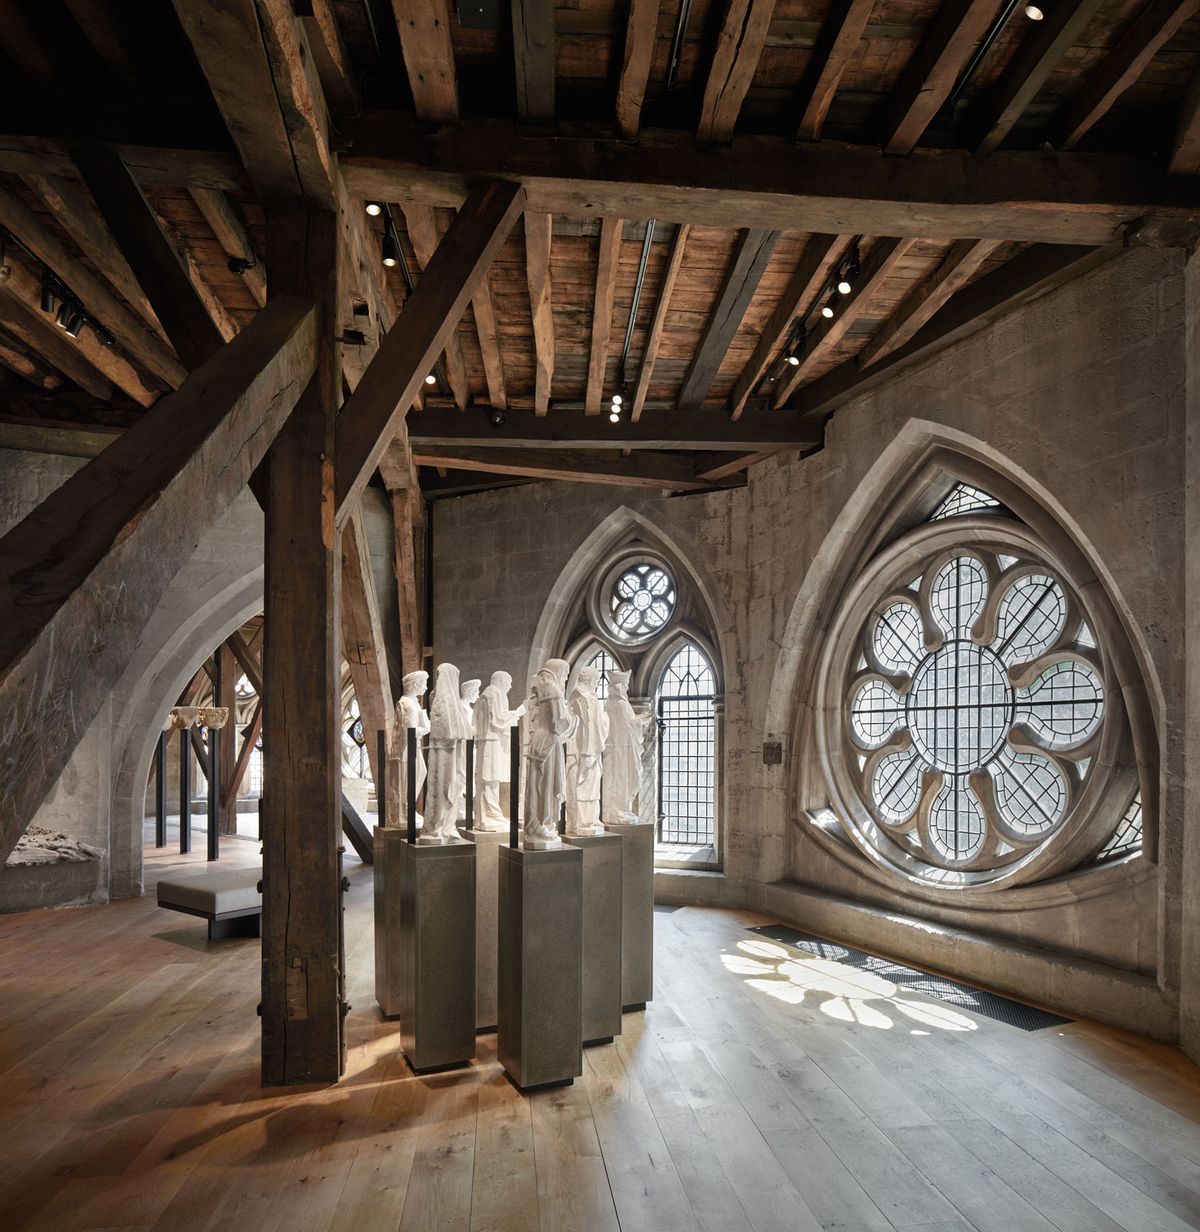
(228, 671)
(301, 976)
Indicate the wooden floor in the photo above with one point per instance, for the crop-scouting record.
(760, 1090)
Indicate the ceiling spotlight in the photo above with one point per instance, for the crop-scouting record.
(391, 255)
(843, 286)
(794, 360)
(827, 311)
(65, 313)
(1033, 12)
(617, 399)
(496, 418)
(75, 324)
(615, 417)
(431, 379)
(47, 297)
(374, 209)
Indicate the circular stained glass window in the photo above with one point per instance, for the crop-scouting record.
(642, 600)
(973, 709)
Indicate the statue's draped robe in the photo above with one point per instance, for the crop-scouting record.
(622, 759)
(448, 733)
(545, 784)
(585, 753)
(493, 723)
(409, 713)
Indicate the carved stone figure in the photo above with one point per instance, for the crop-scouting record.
(550, 726)
(180, 718)
(493, 722)
(448, 732)
(468, 693)
(409, 714)
(622, 751)
(585, 752)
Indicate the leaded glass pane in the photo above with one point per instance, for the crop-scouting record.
(642, 600)
(962, 499)
(686, 749)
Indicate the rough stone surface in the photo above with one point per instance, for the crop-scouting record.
(1081, 398)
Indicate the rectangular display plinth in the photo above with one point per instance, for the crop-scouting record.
(425, 947)
(487, 844)
(540, 991)
(637, 913)
(601, 935)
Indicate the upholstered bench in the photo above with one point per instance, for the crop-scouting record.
(228, 898)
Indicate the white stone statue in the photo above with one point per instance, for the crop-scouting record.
(448, 732)
(409, 714)
(468, 693)
(622, 752)
(585, 752)
(550, 727)
(493, 722)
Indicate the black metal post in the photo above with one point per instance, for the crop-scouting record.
(185, 791)
(260, 817)
(514, 784)
(160, 794)
(562, 818)
(214, 793)
(470, 783)
(381, 783)
(412, 785)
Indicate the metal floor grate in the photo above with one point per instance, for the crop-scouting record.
(961, 996)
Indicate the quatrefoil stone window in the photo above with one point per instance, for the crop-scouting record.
(974, 709)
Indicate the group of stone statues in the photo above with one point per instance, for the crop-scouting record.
(572, 745)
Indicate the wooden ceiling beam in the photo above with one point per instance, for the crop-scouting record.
(661, 308)
(745, 271)
(26, 323)
(641, 30)
(335, 69)
(232, 237)
(1043, 47)
(957, 268)
(770, 183)
(731, 71)
(143, 345)
(153, 257)
(811, 275)
(81, 575)
(105, 27)
(489, 343)
(607, 258)
(662, 471)
(261, 71)
(371, 416)
(1185, 150)
(424, 27)
(1124, 64)
(27, 365)
(709, 429)
(841, 34)
(539, 229)
(75, 211)
(425, 235)
(1027, 276)
(70, 442)
(534, 50)
(79, 358)
(876, 269)
(957, 29)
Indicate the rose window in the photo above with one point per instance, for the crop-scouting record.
(974, 710)
(642, 600)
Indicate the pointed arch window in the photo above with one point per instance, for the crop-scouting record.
(687, 752)
(604, 663)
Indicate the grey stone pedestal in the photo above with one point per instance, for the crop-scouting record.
(601, 936)
(425, 947)
(637, 913)
(487, 844)
(540, 992)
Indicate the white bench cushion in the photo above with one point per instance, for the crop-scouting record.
(213, 892)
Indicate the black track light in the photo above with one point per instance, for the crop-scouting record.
(374, 208)
(496, 418)
(75, 324)
(47, 297)
(65, 313)
(391, 253)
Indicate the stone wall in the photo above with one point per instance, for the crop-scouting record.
(100, 796)
(1079, 398)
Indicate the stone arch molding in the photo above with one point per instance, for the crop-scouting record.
(220, 588)
(897, 492)
(623, 525)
